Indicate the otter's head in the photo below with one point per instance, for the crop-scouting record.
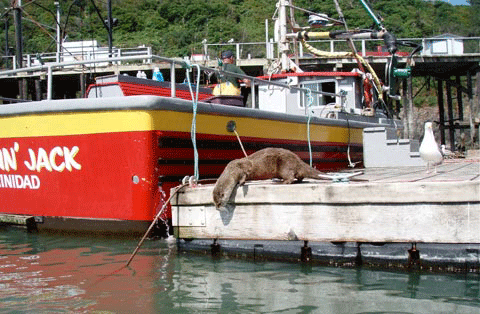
(233, 175)
(223, 191)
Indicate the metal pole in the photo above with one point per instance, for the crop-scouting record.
(254, 94)
(19, 47)
(18, 33)
(283, 44)
(49, 83)
(7, 50)
(59, 39)
(172, 80)
(110, 27)
(372, 14)
(266, 37)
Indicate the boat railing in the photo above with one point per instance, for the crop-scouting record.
(69, 55)
(433, 46)
(49, 68)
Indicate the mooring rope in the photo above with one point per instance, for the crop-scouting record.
(178, 188)
(309, 117)
(240, 142)
(193, 130)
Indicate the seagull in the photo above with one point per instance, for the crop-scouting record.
(446, 152)
(429, 150)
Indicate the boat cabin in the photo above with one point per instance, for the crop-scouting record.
(293, 101)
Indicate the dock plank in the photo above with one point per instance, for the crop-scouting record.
(394, 205)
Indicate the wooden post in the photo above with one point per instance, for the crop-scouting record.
(410, 107)
(451, 127)
(470, 107)
(82, 84)
(441, 110)
(17, 16)
(459, 99)
(23, 89)
(478, 90)
(38, 90)
(406, 125)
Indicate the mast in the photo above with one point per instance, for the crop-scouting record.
(283, 43)
(110, 28)
(17, 15)
(59, 39)
(7, 50)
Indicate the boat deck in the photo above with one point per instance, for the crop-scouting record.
(404, 204)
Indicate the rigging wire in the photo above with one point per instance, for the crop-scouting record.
(39, 25)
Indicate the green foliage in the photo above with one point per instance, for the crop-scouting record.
(176, 28)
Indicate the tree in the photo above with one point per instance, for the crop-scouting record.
(474, 17)
(177, 27)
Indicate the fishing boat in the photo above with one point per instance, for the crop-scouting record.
(106, 162)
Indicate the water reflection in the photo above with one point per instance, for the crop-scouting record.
(43, 273)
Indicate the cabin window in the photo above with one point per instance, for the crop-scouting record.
(319, 100)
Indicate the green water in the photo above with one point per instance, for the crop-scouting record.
(41, 273)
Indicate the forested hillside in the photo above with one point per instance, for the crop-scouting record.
(177, 27)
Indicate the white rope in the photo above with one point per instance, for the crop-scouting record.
(193, 130)
(309, 115)
(240, 142)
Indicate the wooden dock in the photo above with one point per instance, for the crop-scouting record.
(403, 204)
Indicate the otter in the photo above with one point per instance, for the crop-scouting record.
(268, 163)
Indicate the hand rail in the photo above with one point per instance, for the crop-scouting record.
(49, 67)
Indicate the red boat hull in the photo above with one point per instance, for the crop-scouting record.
(111, 170)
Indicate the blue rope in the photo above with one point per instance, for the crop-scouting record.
(309, 114)
(193, 130)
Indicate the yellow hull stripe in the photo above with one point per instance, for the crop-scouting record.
(78, 123)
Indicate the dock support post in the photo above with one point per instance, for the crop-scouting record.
(215, 248)
(358, 258)
(441, 110)
(473, 263)
(470, 108)
(451, 119)
(413, 257)
(258, 252)
(82, 84)
(38, 89)
(459, 98)
(306, 253)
